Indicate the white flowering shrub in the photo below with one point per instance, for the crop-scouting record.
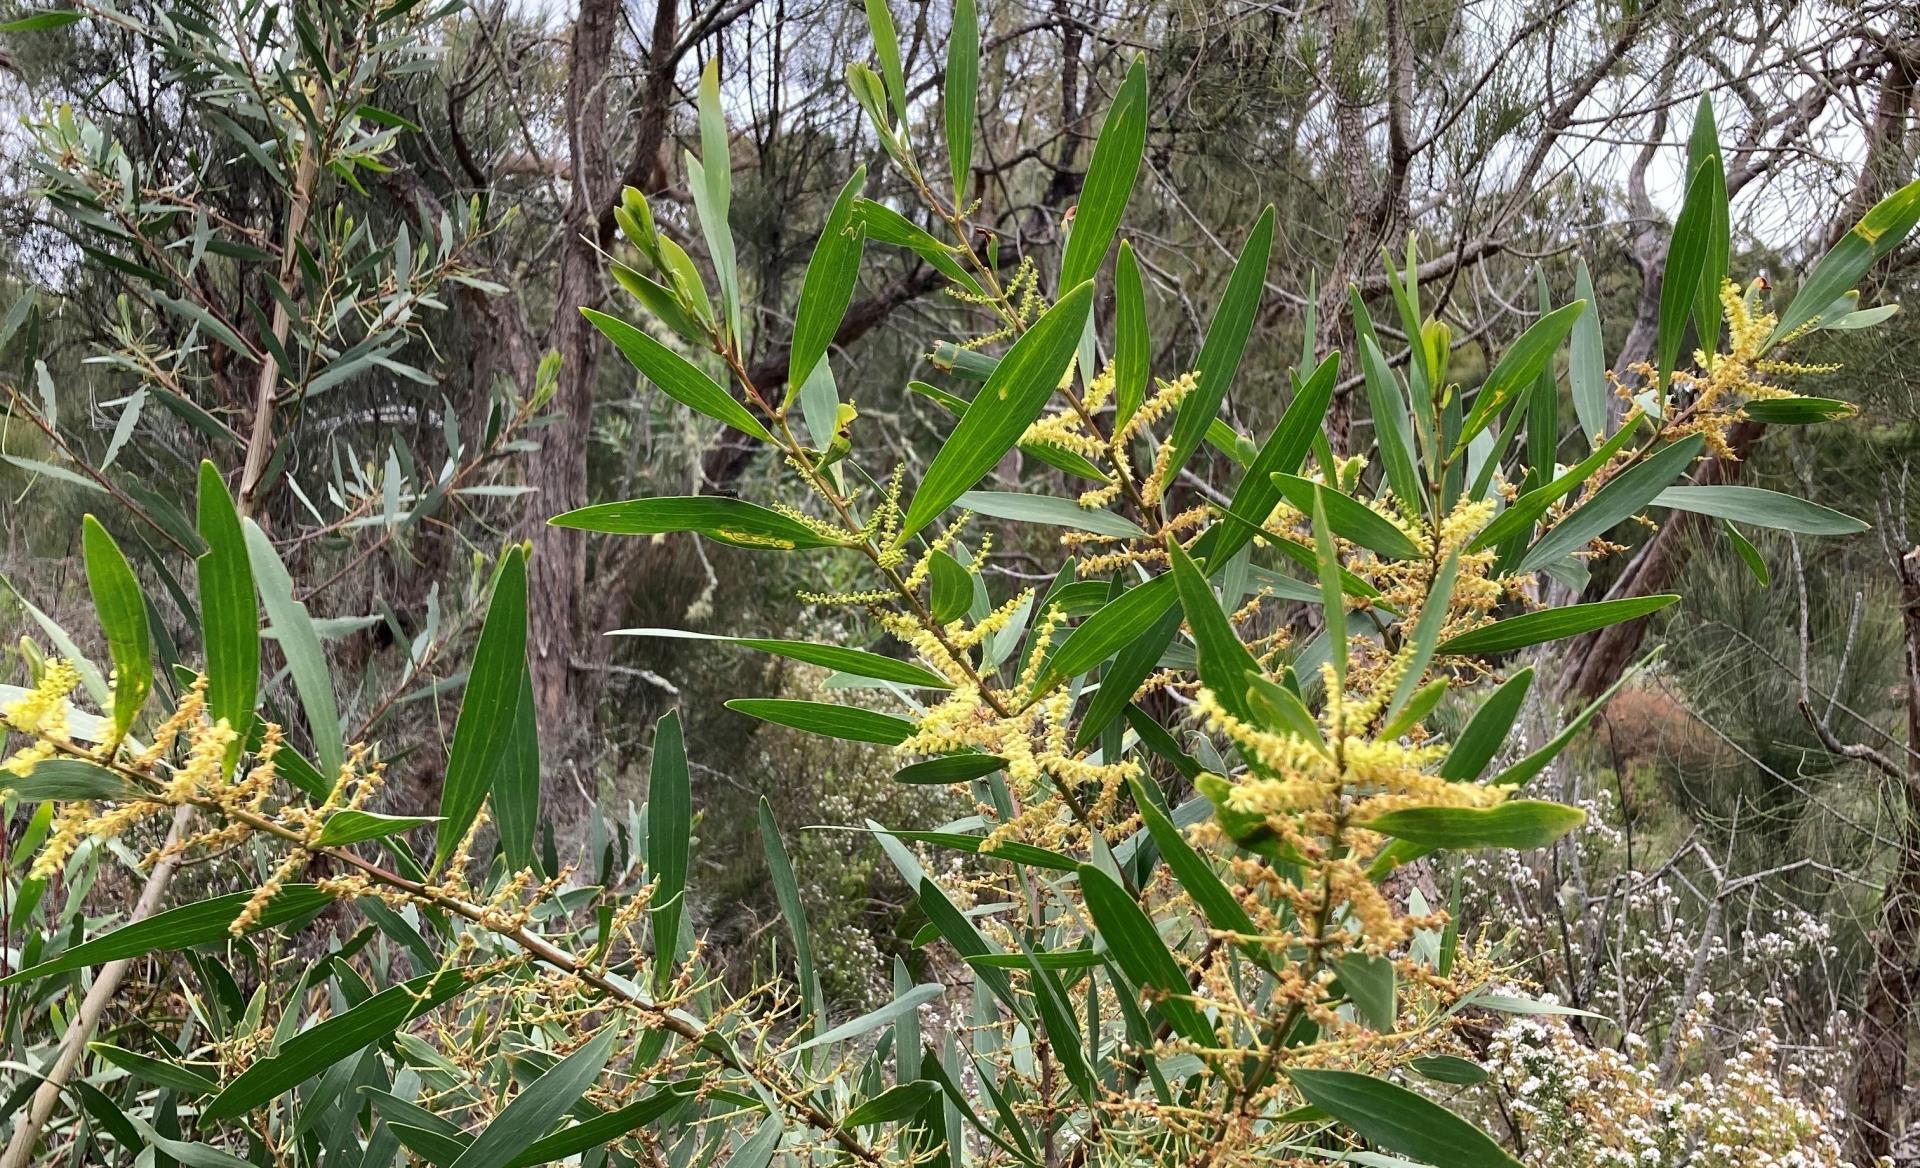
(1572, 1104)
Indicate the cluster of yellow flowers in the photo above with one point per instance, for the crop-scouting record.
(1045, 774)
(41, 715)
(1708, 399)
(1316, 794)
(1403, 585)
(1069, 428)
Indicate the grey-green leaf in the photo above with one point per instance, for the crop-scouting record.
(313, 1050)
(1553, 624)
(831, 275)
(229, 616)
(1109, 180)
(1051, 510)
(1622, 497)
(540, 1105)
(1518, 824)
(855, 661)
(1019, 388)
(1226, 343)
(718, 517)
(485, 725)
(1400, 1120)
(826, 718)
(1759, 507)
(669, 842)
(676, 376)
(123, 618)
(300, 641)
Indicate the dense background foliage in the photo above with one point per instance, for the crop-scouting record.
(336, 251)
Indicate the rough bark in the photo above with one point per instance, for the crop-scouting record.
(557, 570)
(1893, 982)
(1597, 662)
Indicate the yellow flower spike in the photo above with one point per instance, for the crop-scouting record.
(942, 543)
(44, 707)
(201, 772)
(67, 832)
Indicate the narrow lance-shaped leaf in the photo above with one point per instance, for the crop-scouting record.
(858, 662)
(786, 890)
(905, 1003)
(123, 618)
(889, 226)
(962, 81)
(1425, 637)
(727, 520)
(158, 1071)
(712, 187)
(1283, 452)
(1349, 518)
(1486, 732)
(1760, 507)
(852, 723)
(1749, 554)
(892, 1105)
(1524, 362)
(606, 1126)
(67, 779)
(353, 826)
(886, 46)
(669, 843)
(300, 642)
(484, 728)
(1136, 945)
(1798, 411)
(318, 1047)
(1543, 409)
(1703, 153)
(1587, 360)
(1392, 427)
(1224, 658)
(229, 615)
(1109, 180)
(1226, 342)
(1519, 517)
(1554, 624)
(1400, 1120)
(533, 1112)
(180, 928)
(1062, 1031)
(1194, 873)
(951, 593)
(1132, 345)
(676, 376)
(1686, 261)
(1007, 404)
(1118, 623)
(1622, 497)
(1519, 824)
(1333, 605)
(1879, 231)
(1534, 763)
(516, 785)
(831, 275)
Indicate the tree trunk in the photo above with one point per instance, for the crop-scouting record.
(1893, 983)
(1596, 661)
(558, 474)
